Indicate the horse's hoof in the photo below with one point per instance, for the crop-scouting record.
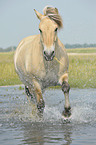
(67, 112)
(41, 106)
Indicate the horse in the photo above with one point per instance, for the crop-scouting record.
(41, 60)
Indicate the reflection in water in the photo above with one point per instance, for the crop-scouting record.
(68, 136)
(32, 134)
(43, 133)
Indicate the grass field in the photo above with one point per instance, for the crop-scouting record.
(82, 50)
(82, 69)
(7, 70)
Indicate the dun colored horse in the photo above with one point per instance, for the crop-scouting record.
(41, 60)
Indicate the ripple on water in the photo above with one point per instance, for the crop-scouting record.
(17, 115)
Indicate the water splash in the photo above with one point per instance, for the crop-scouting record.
(16, 107)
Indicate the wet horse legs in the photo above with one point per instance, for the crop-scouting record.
(65, 89)
(40, 101)
(38, 94)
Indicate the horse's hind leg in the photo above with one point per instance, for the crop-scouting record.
(65, 88)
(28, 92)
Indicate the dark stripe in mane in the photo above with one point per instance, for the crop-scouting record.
(53, 14)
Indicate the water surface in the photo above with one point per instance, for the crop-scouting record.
(19, 123)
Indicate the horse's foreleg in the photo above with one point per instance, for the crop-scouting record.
(40, 101)
(65, 88)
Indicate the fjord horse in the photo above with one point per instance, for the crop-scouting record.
(41, 60)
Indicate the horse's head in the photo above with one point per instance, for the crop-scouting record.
(49, 24)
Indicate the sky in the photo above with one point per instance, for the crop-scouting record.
(18, 20)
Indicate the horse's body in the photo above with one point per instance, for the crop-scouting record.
(41, 62)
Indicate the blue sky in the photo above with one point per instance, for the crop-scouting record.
(18, 20)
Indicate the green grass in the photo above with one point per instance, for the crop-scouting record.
(7, 70)
(82, 70)
(82, 50)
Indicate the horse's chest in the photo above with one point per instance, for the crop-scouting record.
(51, 77)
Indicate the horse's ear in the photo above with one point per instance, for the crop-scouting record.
(56, 10)
(39, 16)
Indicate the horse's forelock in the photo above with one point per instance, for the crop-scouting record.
(53, 14)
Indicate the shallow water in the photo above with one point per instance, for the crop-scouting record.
(19, 124)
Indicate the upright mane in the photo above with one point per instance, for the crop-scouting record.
(54, 15)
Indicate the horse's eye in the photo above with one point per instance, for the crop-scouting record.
(40, 30)
(56, 29)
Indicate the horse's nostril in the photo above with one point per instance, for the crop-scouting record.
(52, 53)
(44, 52)
(49, 55)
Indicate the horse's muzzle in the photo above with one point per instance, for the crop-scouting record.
(49, 56)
